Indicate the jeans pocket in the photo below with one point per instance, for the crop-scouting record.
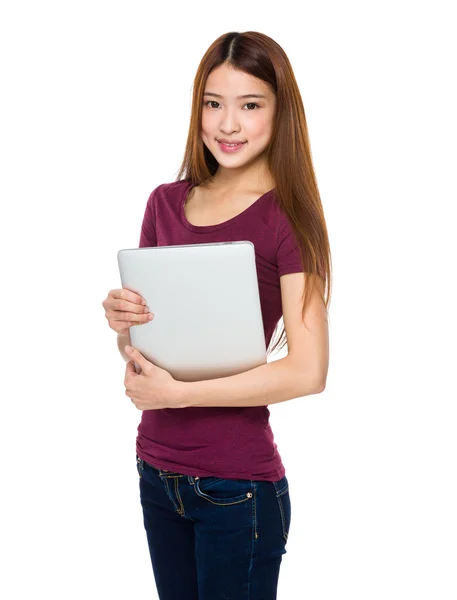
(139, 465)
(283, 499)
(223, 491)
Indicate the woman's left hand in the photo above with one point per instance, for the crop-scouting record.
(153, 388)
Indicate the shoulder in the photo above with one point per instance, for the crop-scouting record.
(167, 191)
(282, 224)
(171, 187)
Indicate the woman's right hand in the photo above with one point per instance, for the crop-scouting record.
(124, 309)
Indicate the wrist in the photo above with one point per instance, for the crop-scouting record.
(182, 396)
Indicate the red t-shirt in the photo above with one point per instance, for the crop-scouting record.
(227, 442)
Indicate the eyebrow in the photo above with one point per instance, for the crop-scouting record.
(238, 97)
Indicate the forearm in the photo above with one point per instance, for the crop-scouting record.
(270, 383)
(122, 342)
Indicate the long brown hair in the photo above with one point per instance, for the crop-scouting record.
(288, 154)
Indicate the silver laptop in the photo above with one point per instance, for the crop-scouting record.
(206, 304)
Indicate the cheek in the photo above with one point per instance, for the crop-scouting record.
(258, 128)
(209, 121)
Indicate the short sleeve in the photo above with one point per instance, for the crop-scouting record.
(288, 250)
(148, 229)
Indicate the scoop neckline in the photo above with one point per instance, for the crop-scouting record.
(209, 228)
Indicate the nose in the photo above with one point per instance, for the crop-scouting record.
(229, 122)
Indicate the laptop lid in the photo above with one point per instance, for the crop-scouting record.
(206, 304)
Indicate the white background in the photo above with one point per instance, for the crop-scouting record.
(95, 105)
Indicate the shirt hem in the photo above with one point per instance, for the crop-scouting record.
(175, 468)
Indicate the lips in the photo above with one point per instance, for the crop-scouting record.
(229, 143)
(230, 149)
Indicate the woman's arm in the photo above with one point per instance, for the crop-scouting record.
(301, 373)
(273, 382)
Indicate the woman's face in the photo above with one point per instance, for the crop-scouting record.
(224, 116)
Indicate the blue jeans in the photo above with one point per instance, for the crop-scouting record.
(211, 538)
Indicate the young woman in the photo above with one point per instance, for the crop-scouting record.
(213, 488)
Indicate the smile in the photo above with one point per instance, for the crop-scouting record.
(230, 147)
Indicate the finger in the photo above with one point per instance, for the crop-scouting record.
(129, 367)
(117, 301)
(129, 373)
(137, 368)
(129, 295)
(132, 400)
(129, 318)
(127, 306)
(136, 356)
